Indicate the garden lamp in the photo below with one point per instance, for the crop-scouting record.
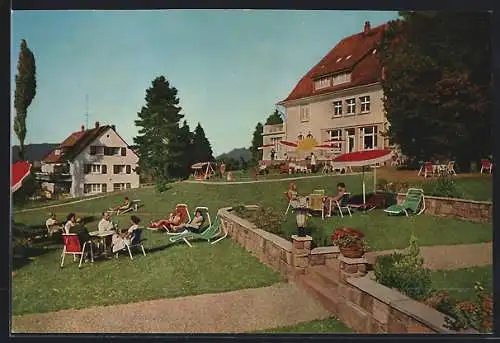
(300, 216)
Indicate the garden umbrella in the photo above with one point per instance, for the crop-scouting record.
(363, 159)
(19, 171)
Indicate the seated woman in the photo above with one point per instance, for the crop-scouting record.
(70, 222)
(194, 225)
(125, 205)
(53, 225)
(83, 235)
(121, 240)
(173, 220)
(341, 189)
(291, 194)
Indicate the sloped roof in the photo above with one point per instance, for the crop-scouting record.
(74, 144)
(363, 64)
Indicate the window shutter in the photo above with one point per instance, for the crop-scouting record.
(129, 169)
(124, 151)
(128, 185)
(86, 168)
(115, 169)
(104, 169)
(104, 188)
(93, 150)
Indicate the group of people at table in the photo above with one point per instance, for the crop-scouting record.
(118, 240)
(301, 201)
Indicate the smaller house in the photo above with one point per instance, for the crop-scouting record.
(90, 161)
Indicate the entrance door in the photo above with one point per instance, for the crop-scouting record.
(350, 135)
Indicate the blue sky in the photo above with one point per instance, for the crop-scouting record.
(229, 66)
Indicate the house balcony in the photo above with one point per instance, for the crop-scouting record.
(59, 173)
(273, 129)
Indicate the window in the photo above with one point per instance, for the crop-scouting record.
(104, 188)
(309, 135)
(95, 169)
(128, 185)
(86, 168)
(57, 152)
(337, 108)
(99, 150)
(275, 141)
(108, 151)
(365, 104)
(348, 57)
(119, 169)
(351, 106)
(341, 78)
(93, 149)
(304, 113)
(335, 135)
(300, 137)
(322, 83)
(124, 151)
(118, 186)
(104, 169)
(90, 188)
(128, 169)
(369, 137)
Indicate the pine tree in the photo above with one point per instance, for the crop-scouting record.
(24, 93)
(201, 148)
(159, 146)
(257, 142)
(186, 137)
(274, 118)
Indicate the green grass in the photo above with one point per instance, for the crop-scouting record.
(166, 272)
(459, 283)
(329, 325)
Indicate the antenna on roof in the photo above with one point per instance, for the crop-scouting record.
(86, 110)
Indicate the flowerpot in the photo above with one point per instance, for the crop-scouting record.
(352, 251)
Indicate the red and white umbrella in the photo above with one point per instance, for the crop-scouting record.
(363, 159)
(19, 171)
(265, 146)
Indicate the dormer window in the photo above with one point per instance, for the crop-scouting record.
(57, 152)
(341, 78)
(374, 51)
(348, 57)
(324, 82)
(339, 59)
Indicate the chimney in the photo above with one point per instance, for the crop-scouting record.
(96, 124)
(113, 127)
(367, 27)
(82, 128)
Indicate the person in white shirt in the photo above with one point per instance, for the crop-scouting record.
(70, 222)
(119, 241)
(313, 162)
(52, 225)
(105, 224)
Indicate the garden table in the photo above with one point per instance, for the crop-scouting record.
(439, 168)
(103, 235)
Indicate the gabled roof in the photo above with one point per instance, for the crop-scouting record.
(363, 64)
(75, 143)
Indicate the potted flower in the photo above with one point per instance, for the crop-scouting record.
(351, 242)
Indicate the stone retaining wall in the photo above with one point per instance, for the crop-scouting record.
(340, 283)
(470, 210)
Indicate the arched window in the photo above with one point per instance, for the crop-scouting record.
(300, 137)
(309, 135)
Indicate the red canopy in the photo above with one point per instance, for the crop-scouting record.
(265, 146)
(287, 143)
(363, 158)
(20, 170)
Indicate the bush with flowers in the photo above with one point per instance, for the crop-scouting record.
(347, 237)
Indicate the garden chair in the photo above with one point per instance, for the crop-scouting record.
(486, 166)
(289, 199)
(428, 169)
(212, 232)
(135, 242)
(450, 168)
(72, 247)
(414, 203)
(342, 204)
(319, 191)
(316, 204)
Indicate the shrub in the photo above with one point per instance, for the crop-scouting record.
(476, 314)
(405, 272)
(268, 219)
(443, 186)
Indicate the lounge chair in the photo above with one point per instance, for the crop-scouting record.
(211, 234)
(414, 203)
(342, 204)
(184, 214)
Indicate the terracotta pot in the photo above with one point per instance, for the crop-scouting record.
(352, 251)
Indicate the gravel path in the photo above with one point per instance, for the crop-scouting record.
(245, 310)
(447, 257)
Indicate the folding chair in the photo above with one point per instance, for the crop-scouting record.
(289, 199)
(135, 242)
(72, 247)
(316, 204)
(319, 191)
(428, 169)
(342, 204)
(451, 168)
(486, 165)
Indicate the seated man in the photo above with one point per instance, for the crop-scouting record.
(105, 224)
(194, 225)
(53, 225)
(341, 189)
(124, 206)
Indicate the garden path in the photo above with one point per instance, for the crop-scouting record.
(447, 257)
(282, 304)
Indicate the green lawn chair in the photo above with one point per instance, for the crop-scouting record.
(414, 203)
(211, 233)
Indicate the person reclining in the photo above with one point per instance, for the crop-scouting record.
(173, 220)
(194, 225)
(124, 206)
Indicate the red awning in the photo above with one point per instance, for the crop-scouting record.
(291, 144)
(265, 146)
(363, 158)
(20, 170)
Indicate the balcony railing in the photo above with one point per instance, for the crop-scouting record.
(276, 128)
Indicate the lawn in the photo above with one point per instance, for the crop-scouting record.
(166, 272)
(329, 325)
(459, 283)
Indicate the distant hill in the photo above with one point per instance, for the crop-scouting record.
(236, 154)
(33, 152)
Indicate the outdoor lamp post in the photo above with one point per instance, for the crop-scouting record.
(300, 216)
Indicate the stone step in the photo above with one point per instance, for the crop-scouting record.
(328, 276)
(324, 294)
